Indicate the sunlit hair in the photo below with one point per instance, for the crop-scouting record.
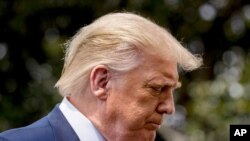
(115, 40)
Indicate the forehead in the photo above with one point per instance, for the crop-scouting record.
(158, 66)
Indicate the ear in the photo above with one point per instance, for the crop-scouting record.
(99, 78)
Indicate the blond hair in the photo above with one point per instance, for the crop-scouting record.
(114, 40)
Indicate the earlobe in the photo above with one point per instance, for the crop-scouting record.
(99, 78)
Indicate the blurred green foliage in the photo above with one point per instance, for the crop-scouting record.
(212, 98)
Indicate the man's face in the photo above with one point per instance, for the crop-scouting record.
(138, 99)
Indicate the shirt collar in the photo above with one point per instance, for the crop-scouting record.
(83, 127)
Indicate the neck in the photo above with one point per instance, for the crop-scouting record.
(116, 134)
(85, 103)
(97, 112)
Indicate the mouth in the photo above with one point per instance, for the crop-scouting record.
(153, 125)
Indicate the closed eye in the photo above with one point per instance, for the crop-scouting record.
(159, 89)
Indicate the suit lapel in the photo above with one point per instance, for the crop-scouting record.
(61, 128)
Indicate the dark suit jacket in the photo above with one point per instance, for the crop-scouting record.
(53, 127)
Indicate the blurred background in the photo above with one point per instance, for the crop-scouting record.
(32, 33)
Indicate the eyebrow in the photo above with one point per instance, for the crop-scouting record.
(178, 84)
(175, 85)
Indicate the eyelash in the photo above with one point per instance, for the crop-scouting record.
(158, 89)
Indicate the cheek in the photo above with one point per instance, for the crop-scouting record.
(137, 108)
(145, 105)
(131, 106)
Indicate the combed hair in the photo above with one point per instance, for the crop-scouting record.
(115, 40)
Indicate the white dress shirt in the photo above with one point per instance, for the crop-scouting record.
(83, 127)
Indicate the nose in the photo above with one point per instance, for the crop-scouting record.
(166, 106)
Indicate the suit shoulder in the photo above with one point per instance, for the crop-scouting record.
(38, 131)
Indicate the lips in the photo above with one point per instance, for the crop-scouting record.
(153, 125)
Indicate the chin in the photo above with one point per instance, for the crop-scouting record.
(150, 136)
(143, 135)
(147, 135)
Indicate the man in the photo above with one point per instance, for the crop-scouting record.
(117, 82)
